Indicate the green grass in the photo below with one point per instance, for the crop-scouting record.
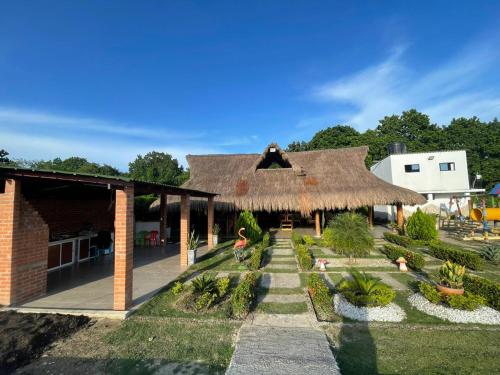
(360, 268)
(360, 349)
(279, 270)
(282, 308)
(144, 346)
(405, 279)
(280, 290)
(412, 314)
(335, 277)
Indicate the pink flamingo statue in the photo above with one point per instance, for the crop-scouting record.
(242, 242)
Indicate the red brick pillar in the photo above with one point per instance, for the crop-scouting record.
(399, 215)
(185, 208)
(210, 215)
(163, 219)
(318, 223)
(10, 202)
(124, 248)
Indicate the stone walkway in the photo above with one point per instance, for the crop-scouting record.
(282, 343)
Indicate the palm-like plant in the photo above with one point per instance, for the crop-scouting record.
(452, 274)
(365, 290)
(491, 253)
(204, 283)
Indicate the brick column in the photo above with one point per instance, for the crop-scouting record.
(210, 219)
(399, 215)
(318, 223)
(124, 248)
(185, 208)
(9, 212)
(163, 219)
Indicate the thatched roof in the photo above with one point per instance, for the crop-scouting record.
(314, 180)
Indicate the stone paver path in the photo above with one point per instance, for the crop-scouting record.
(282, 350)
(392, 282)
(280, 280)
(281, 298)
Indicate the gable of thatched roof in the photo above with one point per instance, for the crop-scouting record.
(322, 179)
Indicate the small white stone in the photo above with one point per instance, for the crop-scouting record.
(389, 313)
(482, 315)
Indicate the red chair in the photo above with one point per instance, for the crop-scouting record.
(154, 239)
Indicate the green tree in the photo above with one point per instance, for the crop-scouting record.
(3, 156)
(157, 167)
(73, 164)
(335, 137)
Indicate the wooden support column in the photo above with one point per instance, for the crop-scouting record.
(318, 223)
(399, 215)
(163, 219)
(370, 217)
(185, 213)
(124, 248)
(210, 222)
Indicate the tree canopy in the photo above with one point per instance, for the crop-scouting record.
(158, 167)
(3, 156)
(72, 164)
(480, 139)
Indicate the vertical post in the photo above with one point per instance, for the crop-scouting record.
(185, 212)
(124, 248)
(210, 220)
(370, 217)
(163, 219)
(318, 223)
(399, 215)
(9, 213)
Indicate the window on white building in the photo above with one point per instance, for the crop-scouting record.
(410, 168)
(447, 166)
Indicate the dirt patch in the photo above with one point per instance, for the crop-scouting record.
(23, 337)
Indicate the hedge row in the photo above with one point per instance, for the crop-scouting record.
(321, 296)
(243, 295)
(304, 256)
(456, 254)
(413, 260)
(488, 289)
(258, 252)
(397, 239)
(297, 239)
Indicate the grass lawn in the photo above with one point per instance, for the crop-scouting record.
(280, 290)
(282, 308)
(360, 349)
(144, 346)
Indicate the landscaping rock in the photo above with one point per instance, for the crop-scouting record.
(389, 313)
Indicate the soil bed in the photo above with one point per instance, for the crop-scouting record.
(23, 337)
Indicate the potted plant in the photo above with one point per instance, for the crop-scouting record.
(215, 234)
(193, 242)
(451, 278)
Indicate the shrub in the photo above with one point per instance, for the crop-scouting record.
(430, 292)
(451, 275)
(203, 284)
(321, 295)
(308, 240)
(297, 238)
(177, 288)
(304, 257)
(456, 254)
(414, 260)
(467, 301)
(222, 285)
(252, 229)
(365, 290)
(243, 295)
(422, 226)
(488, 289)
(206, 291)
(266, 240)
(205, 300)
(491, 253)
(349, 234)
(397, 239)
(256, 257)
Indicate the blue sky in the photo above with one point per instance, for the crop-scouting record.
(111, 79)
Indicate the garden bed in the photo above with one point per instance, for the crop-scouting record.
(23, 337)
(482, 315)
(389, 313)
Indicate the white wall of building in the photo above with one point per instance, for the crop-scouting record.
(436, 185)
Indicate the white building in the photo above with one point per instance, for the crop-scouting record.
(438, 176)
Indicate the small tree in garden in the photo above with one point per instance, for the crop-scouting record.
(252, 229)
(422, 226)
(349, 234)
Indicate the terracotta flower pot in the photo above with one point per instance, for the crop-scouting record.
(449, 291)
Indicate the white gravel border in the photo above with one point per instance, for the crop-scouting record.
(482, 315)
(389, 313)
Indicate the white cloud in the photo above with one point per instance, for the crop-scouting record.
(450, 90)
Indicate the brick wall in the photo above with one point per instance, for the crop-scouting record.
(23, 248)
(71, 215)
